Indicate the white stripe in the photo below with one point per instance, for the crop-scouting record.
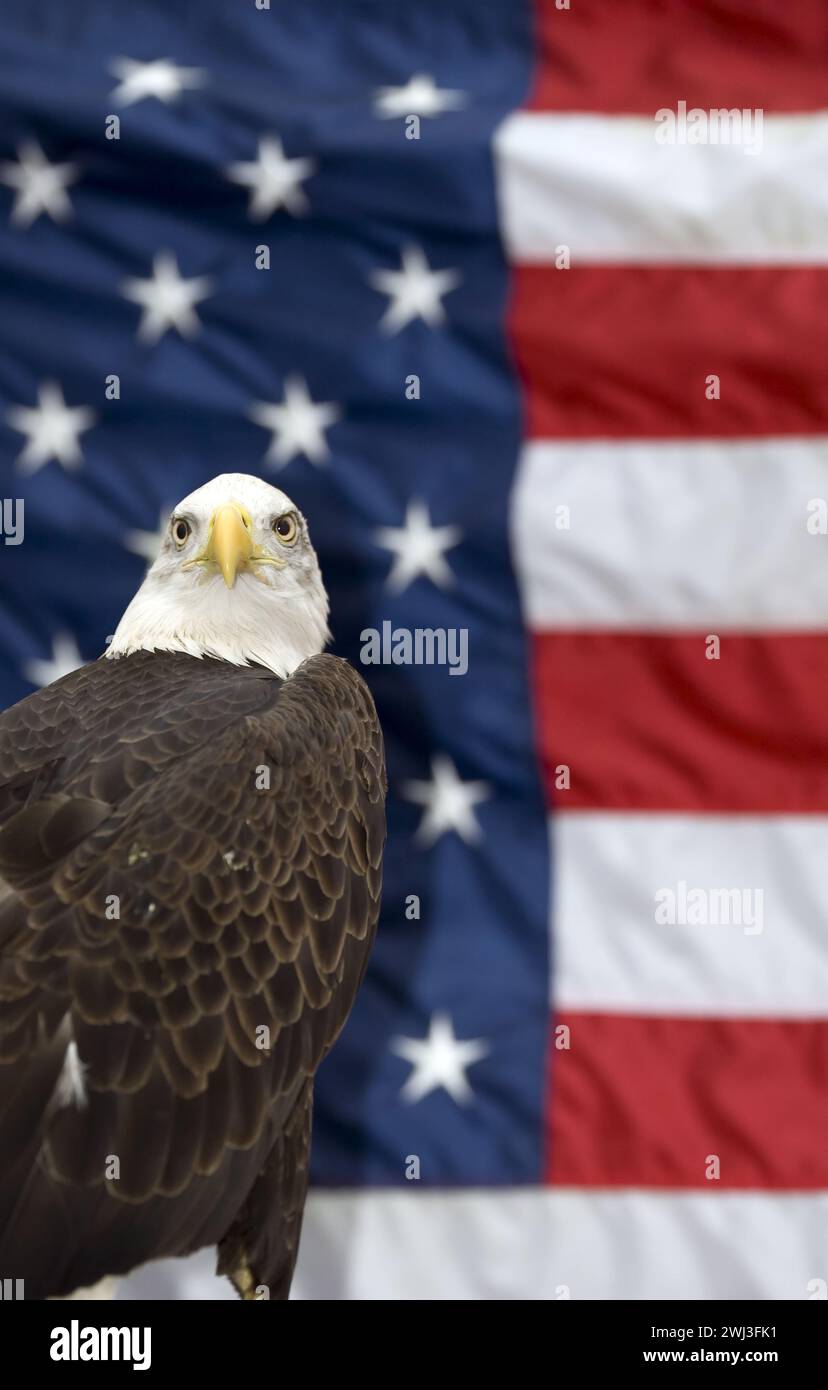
(537, 1243)
(611, 953)
(189, 1279)
(700, 535)
(603, 186)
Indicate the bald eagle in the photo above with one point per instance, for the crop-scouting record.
(191, 836)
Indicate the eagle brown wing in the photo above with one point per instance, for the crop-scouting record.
(190, 866)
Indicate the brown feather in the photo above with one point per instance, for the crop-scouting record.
(133, 782)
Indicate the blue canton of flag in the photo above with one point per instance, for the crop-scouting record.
(238, 238)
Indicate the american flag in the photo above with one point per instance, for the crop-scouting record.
(535, 375)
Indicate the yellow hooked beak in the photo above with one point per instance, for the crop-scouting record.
(230, 544)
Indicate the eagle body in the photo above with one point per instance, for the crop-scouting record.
(190, 866)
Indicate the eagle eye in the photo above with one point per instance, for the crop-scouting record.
(180, 530)
(285, 528)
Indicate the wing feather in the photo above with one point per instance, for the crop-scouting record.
(199, 933)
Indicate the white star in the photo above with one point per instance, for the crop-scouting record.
(52, 428)
(41, 186)
(415, 291)
(168, 300)
(65, 658)
(418, 548)
(273, 180)
(148, 543)
(159, 78)
(419, 97)
(449, 802)
(439, 1061)
(298, 424)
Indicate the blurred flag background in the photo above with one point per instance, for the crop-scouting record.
(540, 373)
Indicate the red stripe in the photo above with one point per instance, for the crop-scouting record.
(646, 723)
(643, 1102)
(625, 351)
(640, 55)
